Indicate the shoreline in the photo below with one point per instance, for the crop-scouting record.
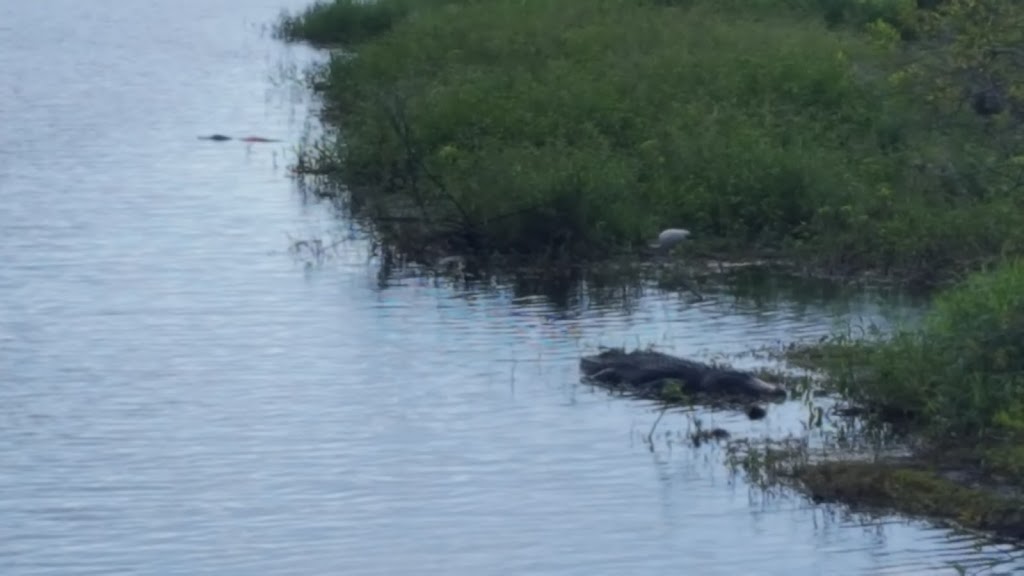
(511, 164)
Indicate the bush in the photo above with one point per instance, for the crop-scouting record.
(962, 371)
(586, 125)
(573, 128)
(342, 21)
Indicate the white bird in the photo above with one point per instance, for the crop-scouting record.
(669, 238)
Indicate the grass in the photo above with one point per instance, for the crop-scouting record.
(951, 389)
(911, 486)
(346, 22)
(959, 376)
(915, 489)
(572, 130)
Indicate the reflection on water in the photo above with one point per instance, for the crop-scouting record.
(177, 396)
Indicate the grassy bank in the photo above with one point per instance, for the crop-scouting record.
(952, 389)
(836, 131)
(958, 377)
(923, 487)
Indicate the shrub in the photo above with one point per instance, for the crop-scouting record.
(573, 128)
(342, 21)
(585, 125)
(962, 371)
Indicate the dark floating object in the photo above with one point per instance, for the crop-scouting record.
(648, 372)
(222, 138)
(755, 412)
(257, 139)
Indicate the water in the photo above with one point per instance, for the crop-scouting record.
(178, 396)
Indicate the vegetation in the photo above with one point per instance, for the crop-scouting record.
(959, 376)
(833, 130)
(920, 487)
(917, 490)
(344, 22)
(952, 388)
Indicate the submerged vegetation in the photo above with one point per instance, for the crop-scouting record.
(850, 136)
(924, 487)
(857, 135)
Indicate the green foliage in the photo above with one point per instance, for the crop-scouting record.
(826, 128)
(961, 372)
(342, 21)
(898, 15)
(969, 70)
(585, 125)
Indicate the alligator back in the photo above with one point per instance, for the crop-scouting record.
(649, 369)
(644, 366)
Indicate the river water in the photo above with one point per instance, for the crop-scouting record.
(178, 395)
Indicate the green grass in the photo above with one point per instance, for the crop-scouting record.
(914, 489)
(342, 22)
(575, 129)
(961, 373)
(945, 486)
(956, 381)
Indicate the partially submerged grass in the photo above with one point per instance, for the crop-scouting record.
(916, 487)
(959, 375)
(952, 387)
(824, 129)
(342, 22)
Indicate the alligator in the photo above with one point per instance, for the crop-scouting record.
(647, 372)
(222, 138)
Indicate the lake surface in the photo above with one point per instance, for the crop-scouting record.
(178, 395)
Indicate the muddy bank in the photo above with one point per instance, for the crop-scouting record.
(957, 491)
